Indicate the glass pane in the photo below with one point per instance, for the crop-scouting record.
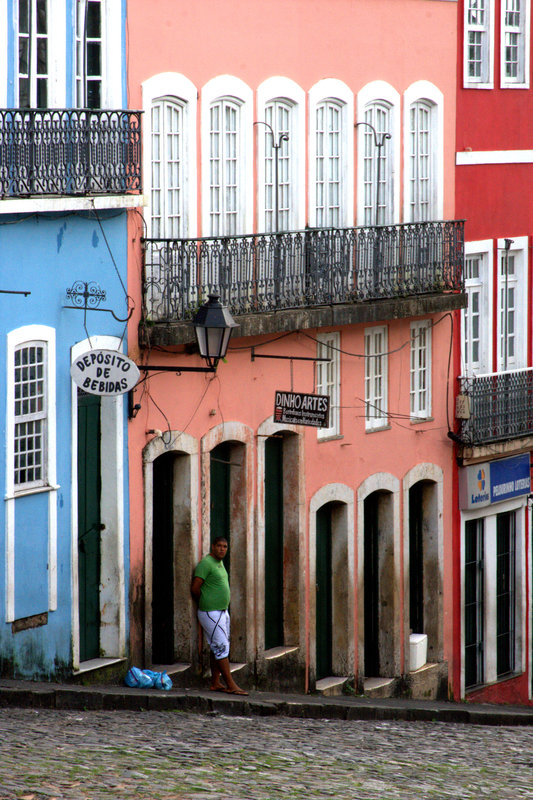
(42, 26)
(93, 19)
(94, 66)
(24, 18)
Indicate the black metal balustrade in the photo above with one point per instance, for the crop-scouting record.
(501, 406)
(272, 271)
(69, 152)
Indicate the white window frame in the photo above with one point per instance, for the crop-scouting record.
(486, 79)
(518, 281)
(328, 380)
(112, 38)
(284, 90)
(16, 338)
(228, 87)
(337, 92)
(489, 515)
(521, 80)
(56, 56)
(484, 250)
(381, 93)
(427, 93)
(376, 368)
(421, 366)
(27, 336)
(179, 89)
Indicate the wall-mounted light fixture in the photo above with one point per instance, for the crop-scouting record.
(213, 325)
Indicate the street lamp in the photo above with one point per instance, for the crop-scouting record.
(213, 324)
(379, 141)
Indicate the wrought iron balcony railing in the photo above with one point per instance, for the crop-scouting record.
(272, 271)
(501, 406)
(69, 152)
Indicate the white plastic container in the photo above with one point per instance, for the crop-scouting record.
(418, 650)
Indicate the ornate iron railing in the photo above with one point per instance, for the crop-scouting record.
(69, 152)
(272, 271)
(501, 406)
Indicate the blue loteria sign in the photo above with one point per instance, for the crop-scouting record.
(494, 481)
(509, 477)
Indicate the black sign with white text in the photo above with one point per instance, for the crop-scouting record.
(295, 408)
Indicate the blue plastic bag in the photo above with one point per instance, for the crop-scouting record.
(145, 678)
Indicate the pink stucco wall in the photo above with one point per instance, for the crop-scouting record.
(398, 41)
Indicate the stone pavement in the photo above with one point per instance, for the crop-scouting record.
(66, 754)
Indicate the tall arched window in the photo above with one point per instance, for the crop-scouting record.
(278, 115)
(378, 165)
(330, 177)
(422, 167)
(330, 154)
(168, 165)
(224, 174)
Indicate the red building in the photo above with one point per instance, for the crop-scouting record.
(492, 546)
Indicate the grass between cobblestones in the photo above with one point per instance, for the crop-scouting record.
(51, 755)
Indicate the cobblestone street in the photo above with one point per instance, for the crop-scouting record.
(151, 755)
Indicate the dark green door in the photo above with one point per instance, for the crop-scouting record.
(220, 494)
(371, 593)
(163, 560)
(323, 593)
(273, 543)
(89, 484)
(416, 559)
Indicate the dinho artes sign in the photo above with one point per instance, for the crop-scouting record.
(104, 372)
(302, 409)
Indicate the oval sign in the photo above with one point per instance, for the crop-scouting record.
(104, 372)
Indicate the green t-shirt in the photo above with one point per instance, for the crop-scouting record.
(215, 587)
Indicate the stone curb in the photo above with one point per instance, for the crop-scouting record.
(303, 707)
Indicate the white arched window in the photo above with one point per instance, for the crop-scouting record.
(280, 104)
(331, 155)
(378, 147)
(227, 157)
(168, 162)
(169, 102)
(423, 153)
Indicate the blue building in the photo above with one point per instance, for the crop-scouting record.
(69, 177)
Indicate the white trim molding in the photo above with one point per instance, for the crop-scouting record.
(485, 250)
(31, 333)
(519, 42)
(469, 158)
(112, 578)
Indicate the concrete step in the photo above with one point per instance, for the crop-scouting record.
(379, 687)
(331, 687)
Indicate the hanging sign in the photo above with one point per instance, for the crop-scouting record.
(295, 408)
(104, 372)
(493, 481)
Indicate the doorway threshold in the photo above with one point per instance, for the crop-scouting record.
(96, 663)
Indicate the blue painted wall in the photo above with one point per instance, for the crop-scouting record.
(45, 254)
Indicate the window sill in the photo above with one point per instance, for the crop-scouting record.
(509, 676)
(330, 438)
(420, 420)
(378, 430)
(35, 490)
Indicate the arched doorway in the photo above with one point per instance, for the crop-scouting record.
(324, 593)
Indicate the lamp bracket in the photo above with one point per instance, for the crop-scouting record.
(255, 355)
(87, 296)
(166, 368)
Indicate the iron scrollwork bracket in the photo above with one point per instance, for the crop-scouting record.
(88, 296)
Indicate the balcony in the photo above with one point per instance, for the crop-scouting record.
(501, 407)
(69, 152)
(277, 272)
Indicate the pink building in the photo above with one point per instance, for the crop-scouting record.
(492, 551)
(299, 161)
